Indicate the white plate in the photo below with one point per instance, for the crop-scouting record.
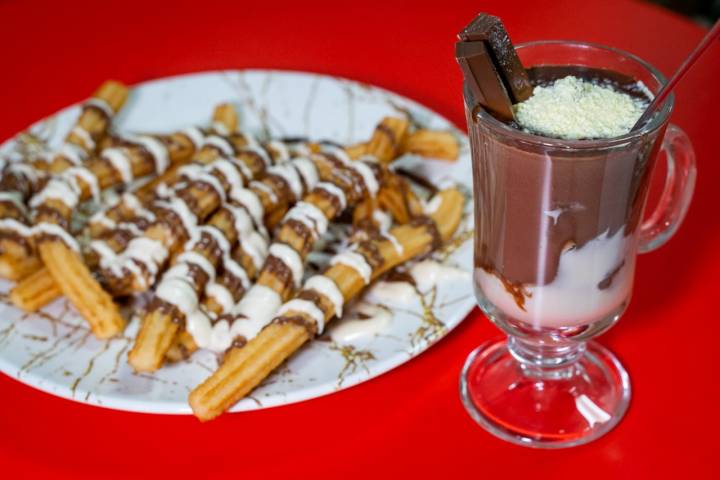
(55, 352)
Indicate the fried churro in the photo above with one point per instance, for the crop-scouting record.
(252, 359)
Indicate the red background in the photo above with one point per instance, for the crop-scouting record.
(409, 422)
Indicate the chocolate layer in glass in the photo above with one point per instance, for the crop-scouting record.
(556, 221)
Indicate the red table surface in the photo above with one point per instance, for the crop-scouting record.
(409, 422)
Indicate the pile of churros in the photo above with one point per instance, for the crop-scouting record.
(213, 228)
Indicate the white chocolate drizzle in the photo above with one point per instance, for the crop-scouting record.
(15, 198)
(258, 306)
(100, 104)
(249, 200)
(355, 261)
(308, 171)
(220, 294)
(63, 189)
(229, 170)
(87, 177)
(290, 258)
(384, 222)
(196, 173)
(290, 176)
(26, 170)
(258, 185)
(220, 143)
(195, 136)
(84, 135)
(117, 156)
(56, 231)
(308, 308)
(335, 191)
(283, 154)
(371, 184)
(15, 226)
(309, 215)
(72, 153)
(327, 288)
(157, 150)
(176, 291)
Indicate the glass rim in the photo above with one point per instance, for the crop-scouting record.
(653, 125)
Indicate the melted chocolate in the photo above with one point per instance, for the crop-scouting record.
(298, 320)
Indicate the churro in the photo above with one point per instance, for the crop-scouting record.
(252, 359)
(23, 178)
(344, 184)
(213, 231)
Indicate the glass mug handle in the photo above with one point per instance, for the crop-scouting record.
(677, 193)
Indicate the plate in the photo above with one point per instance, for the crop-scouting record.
(54, 351)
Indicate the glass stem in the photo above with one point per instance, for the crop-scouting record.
(553, 360)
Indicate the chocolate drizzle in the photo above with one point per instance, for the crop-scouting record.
(372, 254)
(298, 320)
(279, 270)
(430, 227)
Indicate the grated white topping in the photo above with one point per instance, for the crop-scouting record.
(572, 109)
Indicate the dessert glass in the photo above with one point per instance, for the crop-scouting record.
(558, 224)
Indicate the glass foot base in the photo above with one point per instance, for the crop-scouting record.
(542, 408)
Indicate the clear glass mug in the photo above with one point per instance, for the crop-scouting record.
(558, 224)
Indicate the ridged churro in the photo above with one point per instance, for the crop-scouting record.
(251, 360)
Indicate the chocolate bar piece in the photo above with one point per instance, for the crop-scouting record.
(493, 73)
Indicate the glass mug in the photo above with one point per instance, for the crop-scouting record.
(558, 224)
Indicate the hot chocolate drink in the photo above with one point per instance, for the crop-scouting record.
(555, 229)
